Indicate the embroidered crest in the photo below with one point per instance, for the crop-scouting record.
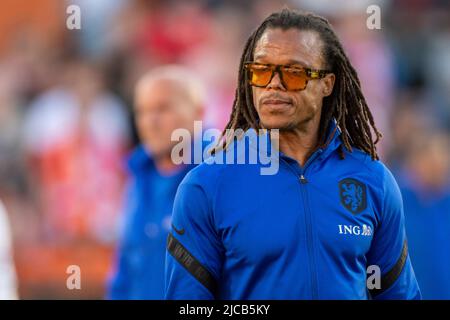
(353, 195)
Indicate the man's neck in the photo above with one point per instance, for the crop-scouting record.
(165, 166)
(300, 143)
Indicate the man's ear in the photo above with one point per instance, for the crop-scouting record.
(329, 84)
(200, 112)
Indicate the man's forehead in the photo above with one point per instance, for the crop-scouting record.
(291, 46)
(160, 87)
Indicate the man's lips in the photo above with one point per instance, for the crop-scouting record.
(276, 105)
(275, 101)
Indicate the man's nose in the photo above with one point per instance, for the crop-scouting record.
(276, 83)
(151, 118)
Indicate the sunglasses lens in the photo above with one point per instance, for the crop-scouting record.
(294, 78)
(259, 75)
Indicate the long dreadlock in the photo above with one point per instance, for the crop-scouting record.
(346, 103)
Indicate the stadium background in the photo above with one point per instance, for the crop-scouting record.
(61, 160)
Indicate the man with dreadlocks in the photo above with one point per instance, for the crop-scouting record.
(329, 224)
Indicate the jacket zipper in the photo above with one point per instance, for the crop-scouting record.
(309, 227)
(309, 236)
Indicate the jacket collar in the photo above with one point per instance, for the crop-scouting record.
(332, 142)
(139, 159)
(142, 159)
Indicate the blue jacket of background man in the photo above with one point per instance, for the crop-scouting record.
(311, 232)
(428, 227)
(140, 258)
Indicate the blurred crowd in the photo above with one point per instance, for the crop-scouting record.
(66, 120)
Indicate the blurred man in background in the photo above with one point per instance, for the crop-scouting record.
(425, 186)
(166, 98)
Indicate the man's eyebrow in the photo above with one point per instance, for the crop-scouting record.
(297, 62)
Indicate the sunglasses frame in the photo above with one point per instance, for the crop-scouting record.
(311, 74)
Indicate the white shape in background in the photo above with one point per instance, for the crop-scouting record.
(8, 279)
(167, 222)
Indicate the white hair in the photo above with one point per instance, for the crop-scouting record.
(183, 77)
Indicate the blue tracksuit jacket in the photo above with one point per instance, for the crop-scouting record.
(428, 225)
(303, 233)
(139, 266)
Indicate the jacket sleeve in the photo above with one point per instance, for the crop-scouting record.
(118, 287)
(389, 249)
(119, 283)
(194, 254)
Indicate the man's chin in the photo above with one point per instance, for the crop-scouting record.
(280, 125)
(158, 151)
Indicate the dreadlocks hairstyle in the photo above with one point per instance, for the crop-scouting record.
(346, 103)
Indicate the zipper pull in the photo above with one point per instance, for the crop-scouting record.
(303, 179)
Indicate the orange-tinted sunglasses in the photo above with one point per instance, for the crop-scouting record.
(293, 78)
